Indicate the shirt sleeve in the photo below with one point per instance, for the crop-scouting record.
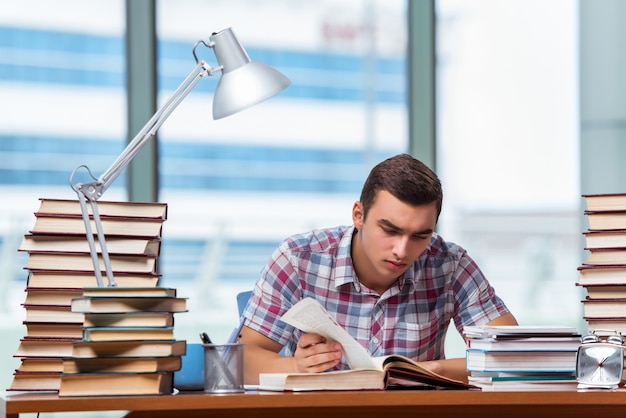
(476, 302)
(274, 293)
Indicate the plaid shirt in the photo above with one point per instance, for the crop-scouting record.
(411, 318)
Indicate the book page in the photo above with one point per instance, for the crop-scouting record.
(487, 331)
(309, 316)
(396, 361)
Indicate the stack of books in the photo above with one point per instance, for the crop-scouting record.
(59, 266)
(127, 346)
(603, 274)
(501, 358)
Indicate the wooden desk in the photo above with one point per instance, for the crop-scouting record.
(333, 404)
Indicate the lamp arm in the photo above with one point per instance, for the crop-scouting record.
(230, 57)
(94, 190)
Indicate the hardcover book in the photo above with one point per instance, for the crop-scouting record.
(54, 296)
(127, 333)
(121, 364)
(69, 207)
(525, 344)
(606, 291)
(125, 227)
(606, 256)
(116, 245)
(606, 220)
(54, 329)
(45, 347)
(128, 291)
(129, 319)
(108, 384)
(516, 361)
(41, 365)
(601, 274)
(35, 381)
(73, 279)
(605, 201)
(52, 314)
(526, 383)
(97, 304)
(604, 308)
(605, 239)
(608, 326)
(138, 348)
(84, 263)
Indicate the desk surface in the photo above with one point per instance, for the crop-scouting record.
(332, 404)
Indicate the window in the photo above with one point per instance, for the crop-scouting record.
(508, 148)
(237, 186)
(62, 85)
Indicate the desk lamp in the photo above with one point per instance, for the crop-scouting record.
(244, 83)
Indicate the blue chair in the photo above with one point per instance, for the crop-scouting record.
(191, 374)
(242, 300)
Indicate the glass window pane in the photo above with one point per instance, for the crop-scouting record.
(62, 85)
(508, 148)
(239, 185)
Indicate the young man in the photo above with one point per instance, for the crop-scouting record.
(390, 280)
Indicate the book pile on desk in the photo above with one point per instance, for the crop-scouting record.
(59, 266)
(603, 274)
(501, 358)
(128, 345)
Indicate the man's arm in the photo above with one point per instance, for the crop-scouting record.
(455, 368)
(261, 355)
(506, 319)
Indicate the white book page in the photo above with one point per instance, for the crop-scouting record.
(309, 316)
(485, 331)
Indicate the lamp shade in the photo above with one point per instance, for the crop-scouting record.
(244, 82)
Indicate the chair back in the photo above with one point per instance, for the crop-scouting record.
(242, 300)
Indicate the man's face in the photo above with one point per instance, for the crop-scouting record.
(392, 237)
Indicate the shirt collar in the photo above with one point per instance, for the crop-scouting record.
(344, 271)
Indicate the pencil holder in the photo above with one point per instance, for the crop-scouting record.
(223, 368)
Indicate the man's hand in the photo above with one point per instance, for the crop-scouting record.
(314, 354)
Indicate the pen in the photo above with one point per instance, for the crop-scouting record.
(234, 336)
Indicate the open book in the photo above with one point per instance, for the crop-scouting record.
(366, 372)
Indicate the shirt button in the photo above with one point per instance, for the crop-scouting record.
(375, 340)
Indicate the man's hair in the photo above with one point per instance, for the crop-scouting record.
(407, 179)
